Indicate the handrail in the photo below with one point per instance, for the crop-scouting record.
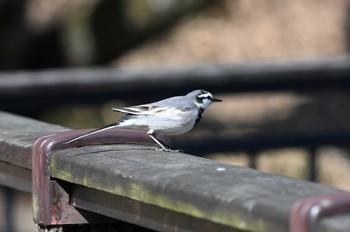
(17, 135)
(163, 191)
(99, 84)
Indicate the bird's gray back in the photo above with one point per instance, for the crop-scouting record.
(180, 102)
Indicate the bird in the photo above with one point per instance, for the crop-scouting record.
(171, 116)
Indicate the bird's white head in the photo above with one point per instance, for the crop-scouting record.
(203, 99)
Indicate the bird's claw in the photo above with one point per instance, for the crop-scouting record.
(168, 150)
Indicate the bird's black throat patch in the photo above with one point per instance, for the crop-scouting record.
(199, 115)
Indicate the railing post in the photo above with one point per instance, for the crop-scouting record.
(252, 156)
(312, 161)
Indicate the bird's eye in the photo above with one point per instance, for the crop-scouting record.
(199, 99)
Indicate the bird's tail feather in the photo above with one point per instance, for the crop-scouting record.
(108, 127)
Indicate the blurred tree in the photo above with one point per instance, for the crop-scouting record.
(35, 34)
(22, 48)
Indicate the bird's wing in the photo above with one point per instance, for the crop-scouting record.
(170, 104)
(141, 109)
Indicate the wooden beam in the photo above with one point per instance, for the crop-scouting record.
(162, 190)
(17, 135)
(236, 197)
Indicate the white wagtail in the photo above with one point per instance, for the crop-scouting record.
(171, 116)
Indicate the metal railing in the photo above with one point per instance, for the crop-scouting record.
(36, 90)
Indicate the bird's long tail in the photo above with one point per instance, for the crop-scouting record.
(108, 127)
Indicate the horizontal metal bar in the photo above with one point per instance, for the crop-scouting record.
(263, 142)
(307, 212)
(42, 89)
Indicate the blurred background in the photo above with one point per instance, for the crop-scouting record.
(40, 35)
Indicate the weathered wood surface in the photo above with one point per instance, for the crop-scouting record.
(17, 135)
(101, 84)
(15, 177)
(160, 190)
(200, 188)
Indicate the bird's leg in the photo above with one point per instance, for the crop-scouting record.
(150, 134)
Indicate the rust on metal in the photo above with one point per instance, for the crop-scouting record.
(307, 212)
(50, 200)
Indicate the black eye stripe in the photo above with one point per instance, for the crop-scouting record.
(204, 97)
(199, 99)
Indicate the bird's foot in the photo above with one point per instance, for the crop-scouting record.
(167, 150)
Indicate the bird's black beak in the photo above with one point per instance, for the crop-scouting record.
(216, 100)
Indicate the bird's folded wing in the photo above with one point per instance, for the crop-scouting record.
(141, 109)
